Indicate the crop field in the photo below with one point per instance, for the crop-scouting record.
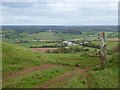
(43, 49)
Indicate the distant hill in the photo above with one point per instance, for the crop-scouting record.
(44, 36)
(67, 29)
(54, 32)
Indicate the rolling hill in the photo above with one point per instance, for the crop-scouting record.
(23, 68)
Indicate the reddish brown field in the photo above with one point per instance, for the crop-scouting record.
(43, 49)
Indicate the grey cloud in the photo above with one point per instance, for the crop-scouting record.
(60, 1)
(59, 13)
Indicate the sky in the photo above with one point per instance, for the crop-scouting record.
(59, 12)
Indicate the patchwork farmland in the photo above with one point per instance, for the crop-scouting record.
(58, 58)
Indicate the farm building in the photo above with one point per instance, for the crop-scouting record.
(67, 43)
(84, 42)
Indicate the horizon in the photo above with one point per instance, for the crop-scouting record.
(58, 25)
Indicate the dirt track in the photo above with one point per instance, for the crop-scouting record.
(29, 70)
(62, 78)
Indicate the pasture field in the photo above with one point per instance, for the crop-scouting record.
(39, 44)
(44, 36)
(24, 68)
(110, 44)
(83, 36)
(25, 64)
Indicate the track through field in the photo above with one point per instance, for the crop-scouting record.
(61, 79)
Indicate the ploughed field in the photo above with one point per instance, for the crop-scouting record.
(26, 68)
(43, 49)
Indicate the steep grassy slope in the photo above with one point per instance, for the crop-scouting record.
(16, 58)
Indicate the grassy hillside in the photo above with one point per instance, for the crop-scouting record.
(17, 58)
(43, 36)
(108, 77)
(23, 68)
(83, 36)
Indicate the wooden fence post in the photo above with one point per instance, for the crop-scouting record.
(102, 53)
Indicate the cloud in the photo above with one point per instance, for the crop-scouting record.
(60, 12)
(116, 1)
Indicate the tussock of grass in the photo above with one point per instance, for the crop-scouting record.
(108, 77)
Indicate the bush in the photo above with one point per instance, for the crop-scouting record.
(48, 51)
(113, 62)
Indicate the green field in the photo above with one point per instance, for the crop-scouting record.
(83, 36)
(44, 36)
(74, 66)
(23, 68)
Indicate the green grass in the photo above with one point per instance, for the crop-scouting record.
(112, 34)
(43, 36)
(77, 81)
(34, 79)
(68, 36)
(111, 45)
(73, 59)
(84, 47)
(27, 45)
(108, 77)
(17, 58)
(83, 36)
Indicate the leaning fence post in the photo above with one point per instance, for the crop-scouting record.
(102, 53)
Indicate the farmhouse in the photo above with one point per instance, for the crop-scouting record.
(84, 42)
(51, 30)
(67, 43)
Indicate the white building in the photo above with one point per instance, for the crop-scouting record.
(67, 43)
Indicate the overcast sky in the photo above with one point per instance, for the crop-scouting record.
(59, 12)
